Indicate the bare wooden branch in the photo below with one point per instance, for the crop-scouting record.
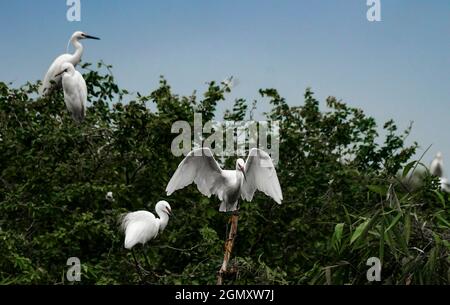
(228, 248)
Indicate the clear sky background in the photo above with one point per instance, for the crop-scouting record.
(398, 68)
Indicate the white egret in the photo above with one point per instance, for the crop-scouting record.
(437, 165)
(75, 91)
(142, 226)
(199, 166)
(444, 184)
(109, 197)
(55, 67)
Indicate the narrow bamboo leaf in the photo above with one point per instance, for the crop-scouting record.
(407, 227)
(394, 222)
(442, 220)
(408, 167)
(337, 236)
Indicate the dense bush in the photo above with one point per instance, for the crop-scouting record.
(343, 199)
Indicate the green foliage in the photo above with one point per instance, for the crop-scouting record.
(343, 200)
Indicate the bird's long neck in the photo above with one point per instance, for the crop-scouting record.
(162, 220)
(76, 57)
(239, 177)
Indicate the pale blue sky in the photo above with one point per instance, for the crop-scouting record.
(398, 68)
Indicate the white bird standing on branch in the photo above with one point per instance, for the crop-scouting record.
(437, 165)
(75, 91)
(142, 226)
(444, 184)
(55, 67)
(437, 169)
(199, 166)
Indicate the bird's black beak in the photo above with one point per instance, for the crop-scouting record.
(91, 37)
(169, 212)
(59, 73)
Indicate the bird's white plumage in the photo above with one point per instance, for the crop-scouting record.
(437, 165)
(200, 167)
(444, 184)
(261, 175)
(51, 81)
(142, 226)
(75, 91)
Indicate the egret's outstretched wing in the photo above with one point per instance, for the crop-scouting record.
(200, 167)
(260, 174)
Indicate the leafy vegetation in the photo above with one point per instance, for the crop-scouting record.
(345, 196)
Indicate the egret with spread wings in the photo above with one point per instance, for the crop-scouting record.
(257, 173)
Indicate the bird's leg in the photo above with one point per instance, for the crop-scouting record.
(144, 248)
(149, 271)
(138, 266)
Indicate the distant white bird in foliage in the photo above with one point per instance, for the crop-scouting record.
(444, 184)
(437, 165)
(142, 226)
(55, 67)
(109, 197)
(230, 82)
(199, 166)
(75, 91)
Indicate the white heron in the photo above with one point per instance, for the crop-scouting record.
(75, 91)
(55, 67)
(142, 226)
(199, 166)
(444, 184)
(437, 165)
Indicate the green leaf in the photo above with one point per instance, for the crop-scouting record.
(394, 222)
(337, 236)
(440, 197)
(379, 189)
(407, 227)
(443, 220)
(359, 230)
(408, 167)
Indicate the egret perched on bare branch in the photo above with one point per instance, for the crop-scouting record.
(437, 165)
(142, 226)
(199, 166)
(75, 91)
(55, 67)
